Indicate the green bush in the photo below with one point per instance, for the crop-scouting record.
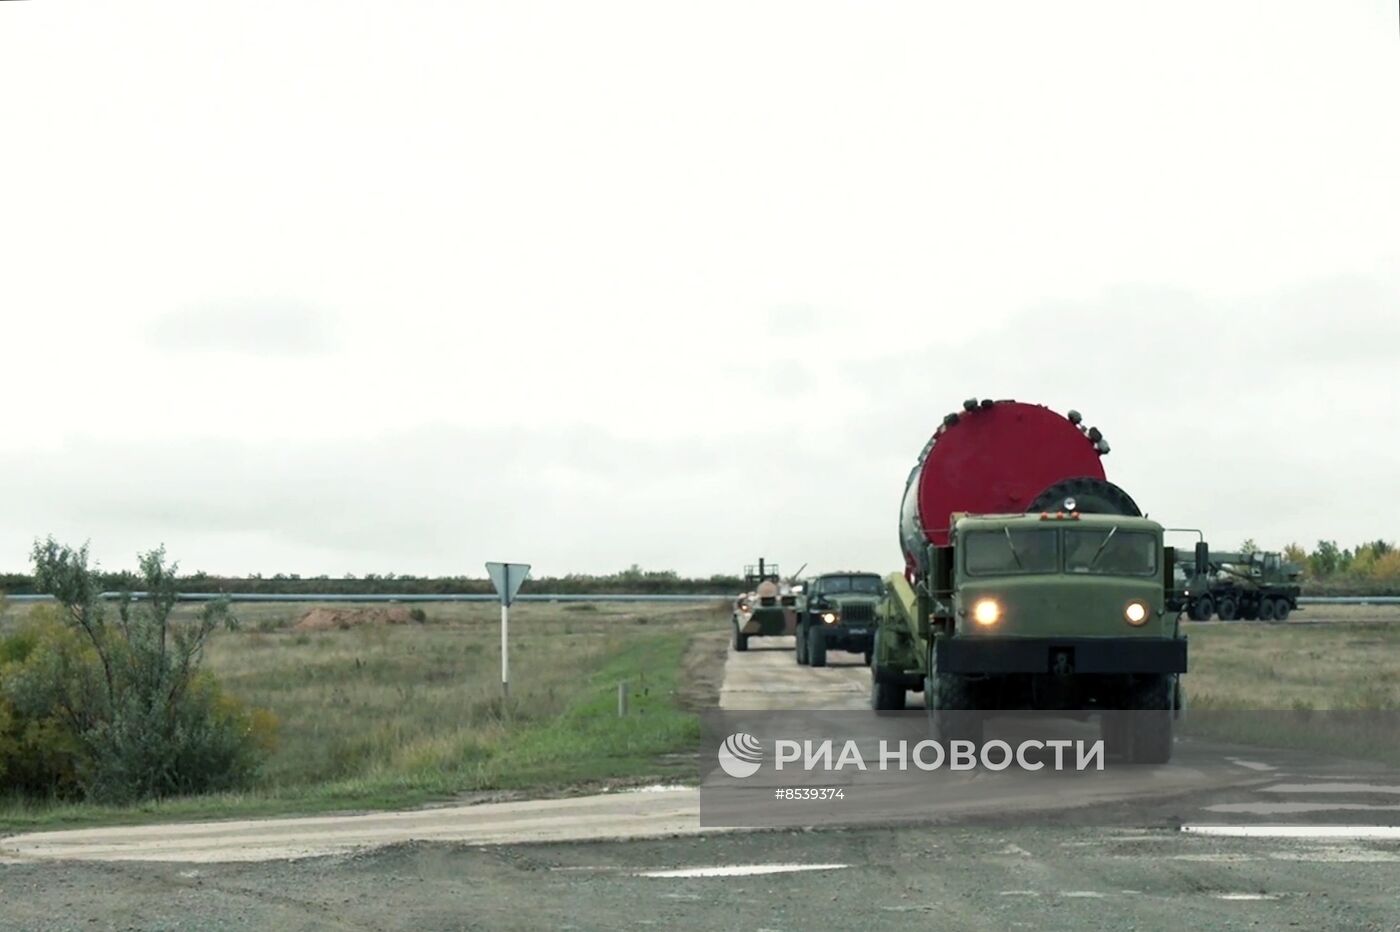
(117, 709)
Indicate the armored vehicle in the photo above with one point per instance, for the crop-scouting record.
(1031, 582)
(1251, 586)
(766, 607)
(836, 611)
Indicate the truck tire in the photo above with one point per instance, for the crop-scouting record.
(1203, 608)
(1226, 609)
(816, 646)
(951, 707)
(886, 696)
(1150, 740)
(1281, 610)
(741, 641)
(801, 649)
(1266, 609)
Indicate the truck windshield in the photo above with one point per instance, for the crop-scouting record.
(864, 584)
(1110, 552)
(997, 553)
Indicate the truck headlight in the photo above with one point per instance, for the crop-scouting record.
(986, 612)
(829, 617)
(1136, 613)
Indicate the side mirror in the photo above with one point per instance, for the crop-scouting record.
(1202, 558)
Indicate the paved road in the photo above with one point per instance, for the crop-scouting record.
(1136, 867)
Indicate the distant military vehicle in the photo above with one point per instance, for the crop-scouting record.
(1031, 582)
(1249, 586)
(766, 607)
(836, 611)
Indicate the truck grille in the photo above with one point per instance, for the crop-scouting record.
(861, 611)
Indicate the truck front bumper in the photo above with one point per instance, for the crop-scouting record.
(972, 655)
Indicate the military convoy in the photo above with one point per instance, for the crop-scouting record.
(1031, 582)
(836, 611)
(1249, 586)
(766, 607)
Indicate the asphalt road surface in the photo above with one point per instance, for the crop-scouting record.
(1153, 857)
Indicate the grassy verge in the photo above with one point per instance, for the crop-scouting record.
(1332, 689)
(378, 717)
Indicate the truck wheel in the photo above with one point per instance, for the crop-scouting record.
(801, 649)
(816, 646)
(741, 641)
(1150, 739)
(885, 696)
(952, 709)
(1203, 608)
(1281, 610)
(1113, 729)
(1226, 609)
(1266, 609)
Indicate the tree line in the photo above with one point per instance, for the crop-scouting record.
(634, 579)
(1369, 568)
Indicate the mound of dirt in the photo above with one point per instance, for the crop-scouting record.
(323, 618)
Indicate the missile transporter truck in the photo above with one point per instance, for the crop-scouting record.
(836, 611)
(1251, 586)
(1031, 583)
(766, 607)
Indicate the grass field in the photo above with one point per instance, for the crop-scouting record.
(1341, 666)
(386, 716)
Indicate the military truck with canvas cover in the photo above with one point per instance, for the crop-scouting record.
(836, 611)
(1031, 582)
(766, 607)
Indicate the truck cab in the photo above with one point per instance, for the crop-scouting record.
(1058, 611)
(837, 611)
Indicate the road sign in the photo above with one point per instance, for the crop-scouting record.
(506, 577)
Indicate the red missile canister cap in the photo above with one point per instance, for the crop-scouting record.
(996, 460)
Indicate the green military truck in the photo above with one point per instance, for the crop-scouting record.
(1248, 586)
(836, 611)
(1031, 583)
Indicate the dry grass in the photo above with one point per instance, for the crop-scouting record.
(384, 716)
(1337, 665)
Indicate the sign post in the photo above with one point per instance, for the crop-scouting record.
(506, 577)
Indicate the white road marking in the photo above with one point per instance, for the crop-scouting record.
(741, 870)
(1250, 764)
(1245, 896)
(1332, 788)
(1282, 808)
(1084, 894)
(1213, 858)
(1336, 855)
(1296, 831)
(1019, 893)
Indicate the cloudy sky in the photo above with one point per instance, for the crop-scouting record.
(329, 287)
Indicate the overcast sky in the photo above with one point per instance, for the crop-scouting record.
(329, 287)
